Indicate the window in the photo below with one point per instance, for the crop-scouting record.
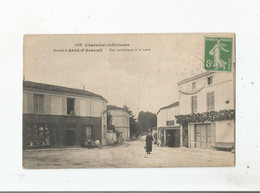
(194, 104)
(70, 106)
(38, 135)
(38, 103)
(210, 101)
(169, 123)
(210, 80)
(193, 85)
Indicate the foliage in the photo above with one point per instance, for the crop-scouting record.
(133, 122)
(110, 127)
(109, 118)
(206, 116)
(146, 120)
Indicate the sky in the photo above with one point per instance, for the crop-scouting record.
(143, 80)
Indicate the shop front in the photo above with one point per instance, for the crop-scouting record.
(43, 131)
(169, 136)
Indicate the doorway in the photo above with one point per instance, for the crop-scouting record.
(185, 138)
(89, 132)
(203, 136)
(70, 137)
(169, 138)
(173, 138)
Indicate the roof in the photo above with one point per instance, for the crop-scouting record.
(169, 106)
(60, 89)
(195, 77)
(113, 107)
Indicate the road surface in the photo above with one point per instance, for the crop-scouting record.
(128, 155)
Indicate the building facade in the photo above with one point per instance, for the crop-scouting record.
(168, 130)
(121, 120)
(56, 116)
(207, 110)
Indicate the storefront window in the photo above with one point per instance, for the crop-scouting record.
(38, 135)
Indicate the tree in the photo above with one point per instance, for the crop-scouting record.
(133, 122)
(109, 118)
(109, 122)
(146, 120)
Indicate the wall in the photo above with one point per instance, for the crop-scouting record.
(56, 104)
(96, 108)
(191, 135)
(167, 115)
(25, 105)
(28, 100)
(104, 123)
(225, 131)
(120, 119)
(111, 138)
(223, 87)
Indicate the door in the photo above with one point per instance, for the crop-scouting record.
(89, 134)
(176, 141)
(70, 137)
(203, 139)
(170, 138)
(203, 136)
(208, 136)
(173, 138)
(197, 136)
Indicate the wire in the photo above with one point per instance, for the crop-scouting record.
(192, 93)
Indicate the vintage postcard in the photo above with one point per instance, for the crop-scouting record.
(129, 100)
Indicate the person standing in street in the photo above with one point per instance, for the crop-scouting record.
(148, 141)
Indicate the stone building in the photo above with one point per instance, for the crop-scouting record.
(207, 110)
(121, 120)
(168, 130)
(55, 116)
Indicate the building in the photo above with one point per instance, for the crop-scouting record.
(168, 129)
(121, 120)
(207, 110)
(58, 116)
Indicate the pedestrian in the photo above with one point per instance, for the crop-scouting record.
(148, 141)
(159, 143)
(98, 144)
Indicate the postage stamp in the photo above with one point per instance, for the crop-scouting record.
(218, 54)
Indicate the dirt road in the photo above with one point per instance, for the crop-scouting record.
(129, 155)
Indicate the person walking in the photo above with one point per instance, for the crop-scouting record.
(148, 141)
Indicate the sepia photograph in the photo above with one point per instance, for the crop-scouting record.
(128, 100)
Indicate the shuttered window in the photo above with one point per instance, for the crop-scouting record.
(194, 104)
(210, 101)
(38, 103)
(210, 80)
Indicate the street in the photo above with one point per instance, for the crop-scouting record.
(128, 155)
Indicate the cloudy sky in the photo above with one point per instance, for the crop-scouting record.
(144, 80)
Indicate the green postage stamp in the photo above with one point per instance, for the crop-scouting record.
(218, 53)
